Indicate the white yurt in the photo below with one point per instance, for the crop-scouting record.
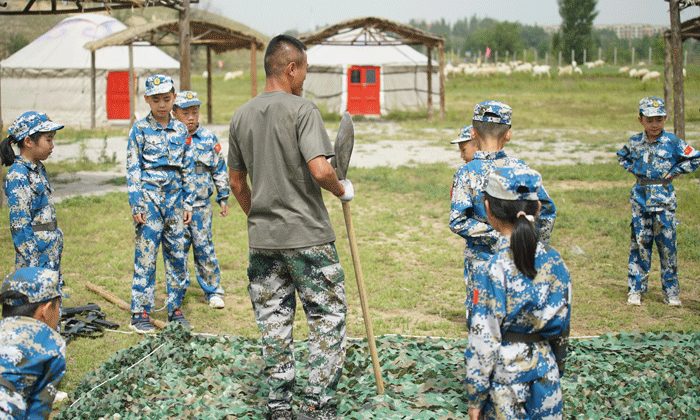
(53, 74)
(366, 78)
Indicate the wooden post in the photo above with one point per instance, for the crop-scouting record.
(93, 90)
(615, 56)
(650, 63)
(668, 73)
(677, 48)
(632, 63)
(209, 93)
(253, 70)
(132, 88)
(430, 83)
(185, 46)
(442, 80)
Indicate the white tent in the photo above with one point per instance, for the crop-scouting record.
(403, 83)
(53, 73)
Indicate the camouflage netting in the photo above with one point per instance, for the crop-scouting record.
(179, 375)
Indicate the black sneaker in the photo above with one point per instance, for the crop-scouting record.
(141, 323)
(177, 316)
(282, 414)
(311, 413)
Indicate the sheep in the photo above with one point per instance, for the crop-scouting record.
(642, 72)
(205, 74)
(540, 70)
(566, 70)
(652, 75)
(624, 69)
(578, 70)
(590, 65)
(633, 73)
(599, 63)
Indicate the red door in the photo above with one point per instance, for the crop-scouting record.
(363, 90)
(118, 95)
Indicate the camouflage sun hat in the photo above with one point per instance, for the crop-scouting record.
(652, 106)
(493, 111)
(158, 83)
(514, 183)
(186, 99)
(29, 123)
(465, 134)
(37, 283)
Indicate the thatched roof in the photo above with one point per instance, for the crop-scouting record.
(219, 38)
(410, 34)
(54, 7)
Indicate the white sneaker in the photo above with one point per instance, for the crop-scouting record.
(216, 302)
(673, 301)
(634, 299)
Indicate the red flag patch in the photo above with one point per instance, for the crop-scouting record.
(217, 147)
(189, 140)
(475, 300)
(688, 150)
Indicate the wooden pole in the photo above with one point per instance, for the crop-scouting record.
(668, 73)
(677, 48)
(363, 298)
(442, 80)
(93, 90)
(253, 70)
(185, 46)
(132, 88)
(209, 92)
(430, 83)
(120, 303)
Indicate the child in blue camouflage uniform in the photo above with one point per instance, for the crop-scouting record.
(32, 352)
(467, 147)
(521, 309)
(210, 165)
(655, 158)
(159, 171)
(37, 238)
(491, 130)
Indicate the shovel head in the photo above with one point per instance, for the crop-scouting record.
(344, 142)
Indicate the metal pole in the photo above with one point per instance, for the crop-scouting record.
(650, 56)
(615, 55)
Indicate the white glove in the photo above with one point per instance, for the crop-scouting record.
(349, 191)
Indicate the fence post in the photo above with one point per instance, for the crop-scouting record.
(559, 58)
(572, 56)
(649, 56)
(632, 63)
(584, 56)
(600, 53)
(615, 59)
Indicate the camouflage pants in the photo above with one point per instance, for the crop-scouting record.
(316, 276)
(470, 265)
(163, 225)
(647, 228)
(198, 235)
(540, 399)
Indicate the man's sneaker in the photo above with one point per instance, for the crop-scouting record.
(673, 301)
(284, 414)
(177, 316)
(216, 302)
(311, 413)
(634, 299)
(141, 323)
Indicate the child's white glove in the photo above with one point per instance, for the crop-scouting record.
(349, 191)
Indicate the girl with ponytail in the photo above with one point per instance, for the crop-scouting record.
(521, 309)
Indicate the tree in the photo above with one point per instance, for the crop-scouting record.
(576, 28)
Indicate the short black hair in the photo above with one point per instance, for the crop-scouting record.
(26, 309)
(486, 130)
(277, 56)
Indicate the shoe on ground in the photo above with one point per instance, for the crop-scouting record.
(310, 413)
(141, 323)
(177, 316)
(284, 414)
(673, 301)
(634, 299)
(216, 302)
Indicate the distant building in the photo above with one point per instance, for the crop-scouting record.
(632, 31)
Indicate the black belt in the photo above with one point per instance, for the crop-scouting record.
(642, 181)
(49, 226)
(167, 168)
(522, 338)
(199, 168)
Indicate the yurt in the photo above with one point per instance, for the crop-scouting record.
(367, 78)
(53, 74)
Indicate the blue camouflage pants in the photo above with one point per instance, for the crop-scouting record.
(647, 228)
(316, 276)
(198, 235)
(540, 399)
(163, 225)
(470, 265)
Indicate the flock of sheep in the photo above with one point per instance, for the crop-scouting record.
(492, 69)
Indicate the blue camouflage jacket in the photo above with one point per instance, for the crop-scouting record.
(468, 214)
(505, 300)
(210, 168)
(32, 361)
(31, 203)
(152, 149)
(667, 155)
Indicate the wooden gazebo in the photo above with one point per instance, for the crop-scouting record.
(54, 7)
(408, 35)
(216, 37)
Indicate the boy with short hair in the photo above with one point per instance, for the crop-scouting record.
(467, 146)
(491, 130)
(159, 169)
(32, 352)
(210, 165)
(655, 158)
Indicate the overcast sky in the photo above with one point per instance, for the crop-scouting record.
(274, 17)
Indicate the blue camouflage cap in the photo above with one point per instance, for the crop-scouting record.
(493, 111)
(37, 283)
(186, 98)
(158, 83)
(652, 106)
(465, 134)
(514, 183)
(29, 123)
